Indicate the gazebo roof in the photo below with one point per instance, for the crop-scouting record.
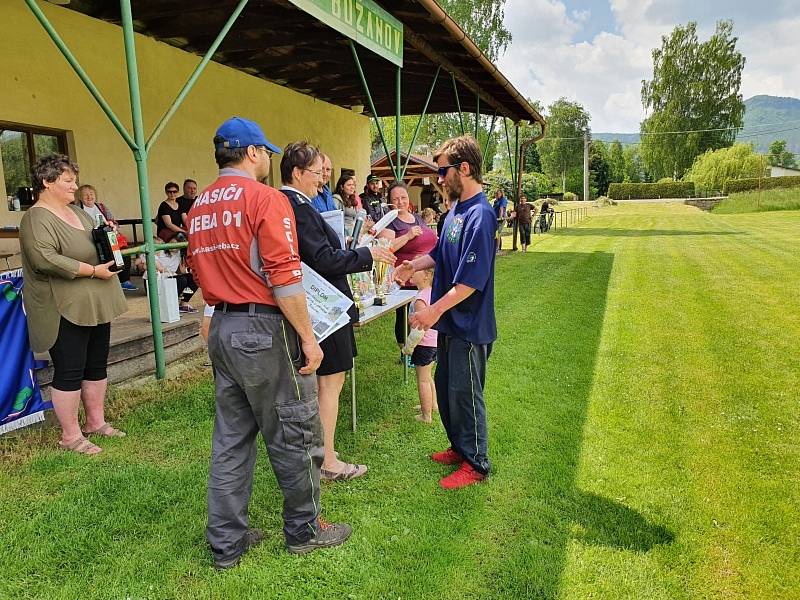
(275, 40)
(419, 167)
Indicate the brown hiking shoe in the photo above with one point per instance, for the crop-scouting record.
(328, 535)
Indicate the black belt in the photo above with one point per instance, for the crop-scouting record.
(267, 309)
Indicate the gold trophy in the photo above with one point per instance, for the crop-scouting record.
(380, 270)
(355, 287)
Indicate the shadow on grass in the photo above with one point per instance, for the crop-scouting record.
(549, 339)
(510, 536)
(138, 509)
(611, 232)
(605, 522)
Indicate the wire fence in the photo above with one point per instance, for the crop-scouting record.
(565, 218)
(542, 223)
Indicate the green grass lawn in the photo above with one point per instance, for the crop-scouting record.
(760, 201)
(644, 431)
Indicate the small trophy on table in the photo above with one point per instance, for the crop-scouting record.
(380, 272)
(356, 289)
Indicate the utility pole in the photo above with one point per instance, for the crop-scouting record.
(586, 166)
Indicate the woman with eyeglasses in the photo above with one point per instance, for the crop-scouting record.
(169, 220)
(320, 249)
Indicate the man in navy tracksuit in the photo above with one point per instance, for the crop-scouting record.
(462, 310)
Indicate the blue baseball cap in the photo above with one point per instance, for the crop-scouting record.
(237, 132)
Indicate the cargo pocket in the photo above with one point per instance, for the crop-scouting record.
(248, 341)
(249, 356)
(298, 422)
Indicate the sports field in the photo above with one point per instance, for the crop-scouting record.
(644, 429)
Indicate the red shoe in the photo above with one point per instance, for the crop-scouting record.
(447, 457)
(465, 476)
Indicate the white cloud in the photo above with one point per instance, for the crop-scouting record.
(604, 73)
(771, 52)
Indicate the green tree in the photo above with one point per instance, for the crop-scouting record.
(16, 165)
(561, 150)
(712, 169)
(616, 162)
(532, 161)
(497, 179)
(779, 156)
(482, 21)
(536, 184)
(695, 86)
(599, 169)
(634, 169)
(574, 182)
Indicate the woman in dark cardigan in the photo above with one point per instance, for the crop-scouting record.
(320, 249)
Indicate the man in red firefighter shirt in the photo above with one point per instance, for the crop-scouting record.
(243, 250)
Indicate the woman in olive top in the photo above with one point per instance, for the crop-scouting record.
(70, 301)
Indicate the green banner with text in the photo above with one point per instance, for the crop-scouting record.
(362, 21)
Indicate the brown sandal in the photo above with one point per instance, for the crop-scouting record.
(106, 430)
(81, 446)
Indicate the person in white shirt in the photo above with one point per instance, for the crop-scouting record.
(169, 262)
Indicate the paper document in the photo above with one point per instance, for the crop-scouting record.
(335, 218)
(378, 227)
(327, 306)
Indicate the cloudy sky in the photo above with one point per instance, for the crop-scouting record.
(596, 52)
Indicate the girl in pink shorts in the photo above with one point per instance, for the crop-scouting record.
(423, 354)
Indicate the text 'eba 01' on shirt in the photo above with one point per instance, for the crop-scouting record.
(465, 253)
(242, 242)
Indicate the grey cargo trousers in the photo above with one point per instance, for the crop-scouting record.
(258, 389)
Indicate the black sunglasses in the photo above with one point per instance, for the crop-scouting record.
(442, 171)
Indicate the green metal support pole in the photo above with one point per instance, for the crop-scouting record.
(371, 105)
(508, 147)
(140, 155)
(42, 18)
(142, 249)
(489, 137)
(515, 229)
(419, 123)
(397, 114)
(194, 76)
(477, 114)
(458, 104)
(516, 161)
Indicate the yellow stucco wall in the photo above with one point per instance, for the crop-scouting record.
(40, 88)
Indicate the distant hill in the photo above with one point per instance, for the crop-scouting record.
(762, 111)
(625, 138)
